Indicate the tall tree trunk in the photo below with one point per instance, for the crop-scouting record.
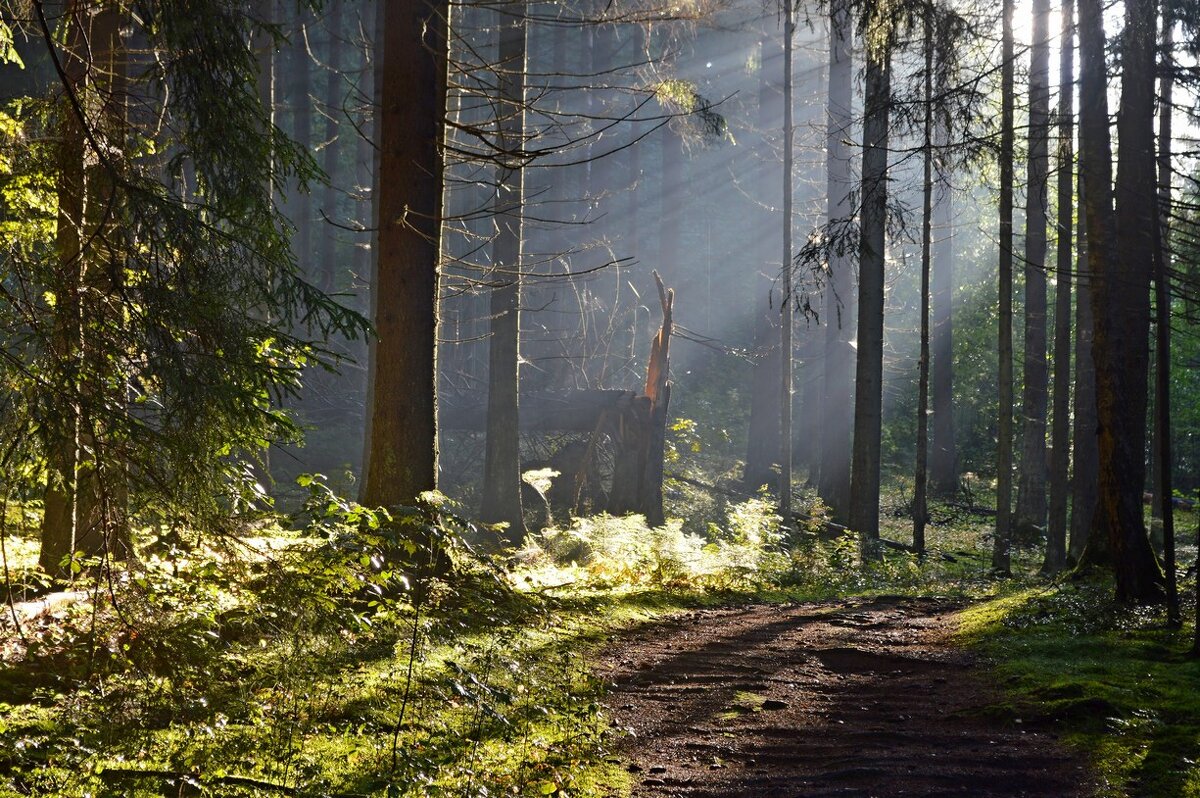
(1030, 518)
(1162, 303)
(785, 330)
(327, 263)
(920, 481)
(1085, 482)
(302, 132)
(943, 459)
(1004, 453)
(837, 418)
(1120, 248)
(868, 381)
(401, 434)
(502, 457)
(1056, 528)
(84, 512)
(762, 439)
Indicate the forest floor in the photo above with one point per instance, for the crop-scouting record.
(867, 697)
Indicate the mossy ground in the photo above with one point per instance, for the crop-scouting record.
(1115, 682)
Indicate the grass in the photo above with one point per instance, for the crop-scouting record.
(1114, 682)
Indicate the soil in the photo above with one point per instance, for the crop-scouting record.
(847, 698)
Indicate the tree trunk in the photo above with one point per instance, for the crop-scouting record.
(1056, 528)
(868, 382)
(1029, 521)
(1162, 303)
(837, 419)
(502, 458)
(920, 480)
(302, 133)
(401, 434)
(328, 264)
(1004, 444)
(1085, 484)
(785, 329)
(943, 459)
(1121, 253)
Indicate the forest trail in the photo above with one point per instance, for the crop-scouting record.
(840, 698)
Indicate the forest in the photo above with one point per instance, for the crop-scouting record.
(599, 398)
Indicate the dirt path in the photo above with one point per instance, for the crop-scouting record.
(829, 699)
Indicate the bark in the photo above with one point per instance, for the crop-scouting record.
(837, 418)
(868, 383)
(763, 435)
(302, 132)
(401, 439)
(1121, 259)
(1162, 303)
(920, 481)
(943, 458)
(1085, 482)
(1056, 528)
(1004, 453)
(1029, 520)
(327, 263)
(502, 457)
(785, 329)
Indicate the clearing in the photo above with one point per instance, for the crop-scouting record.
(843, 698)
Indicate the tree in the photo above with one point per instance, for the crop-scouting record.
(502, 459)
(785, 328)
(1085, 482)
(868, 382)
(1004, 453)
(1120, 253)
(837, 416)
(1056, 527)
(1030, 517)
(401, 433)
(943, 458)
(921, 478)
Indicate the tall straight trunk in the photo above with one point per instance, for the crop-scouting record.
(1120, 248)
(837, 418)
(1162, 303)
(762, 439)
(1030, 518)
(401, 435)
(302, 132)
(921, 478)
(785, 329)
(502, 456)
(868, 380)
(1056, 528)
(943, 458)
(1085, 482)
(84, 501)
(327, 263)
(1004, 452)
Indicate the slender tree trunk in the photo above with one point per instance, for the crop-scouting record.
(1029, 521)
(921, 478)
(1162, 302)
(502, 458)
(1056, 528)
(1085, 482)
(785, 332)
(868, 382)
(762, 439)
(1004, 454)
(401, 435)
(837, 420)
(943, 459)
(328, 264)
(302, 132)
(1120, 248)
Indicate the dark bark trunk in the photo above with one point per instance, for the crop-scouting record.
(1029, 520)
(921, 480)
(837, 420)
(1004, 445)
(1085, 484)
(502, 458)
(785, 328)
(1056, 527)
(943, 458)
(868, 382)
(401, 440)
(1121, 256)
